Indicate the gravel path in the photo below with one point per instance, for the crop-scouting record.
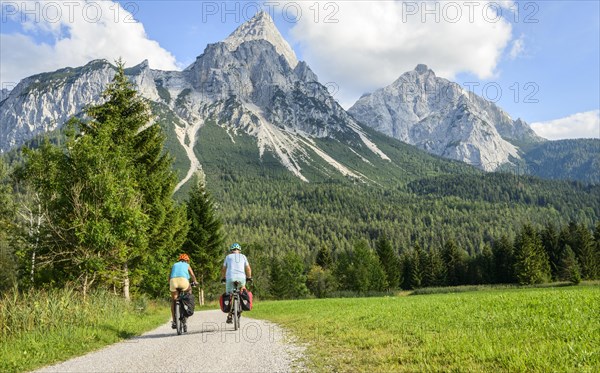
(209, 346)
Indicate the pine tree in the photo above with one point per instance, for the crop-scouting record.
(416, 267)
(586, 253)
(569, 267)
(365, 272)
(389, 262)
(108, 196)
(455, 261)
(503, 260)
(551, 243)
(204, 239)
(292, 275)
(324, 258)
(8, 262)
(278, 285)
(532, 265)
(435, 270)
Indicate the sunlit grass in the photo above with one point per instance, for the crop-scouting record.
(40, 328)
(547, 329)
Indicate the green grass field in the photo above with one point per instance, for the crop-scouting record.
(41, 328)
(520, 330)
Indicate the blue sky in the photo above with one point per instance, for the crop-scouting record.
(538, 60)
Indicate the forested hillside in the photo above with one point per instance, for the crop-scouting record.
(566, 159)
(94, 207)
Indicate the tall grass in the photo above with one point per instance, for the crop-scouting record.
(41, 327)
(44, 311)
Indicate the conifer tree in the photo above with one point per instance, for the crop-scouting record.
(8, 263)
(389, 262)
(108, 195)
(293, 280)
(324, 258)
(569, 267)
(455, 260)
(416, 267)
(585, 250)
(435, 270)
(205, 237)
(551, 243)
(503, 252)
(532, 265)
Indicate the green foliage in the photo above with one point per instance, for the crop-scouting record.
(324, 257)
(364, 272)
(532, 265)
(389, 262)
(434, 268)
(455, 261)
(287, 277)
(566, 159)
(569, 267)
(321, 282)
(109, 216)
(504, 260)
(205, 238)
(8, 262)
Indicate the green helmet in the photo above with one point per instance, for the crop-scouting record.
(235, 246)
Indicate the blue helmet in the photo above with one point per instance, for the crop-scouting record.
(235, 246)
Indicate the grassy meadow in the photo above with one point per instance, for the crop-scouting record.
(41, 328)
(505, 330)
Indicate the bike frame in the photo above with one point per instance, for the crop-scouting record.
(236, 308)
(180, 319)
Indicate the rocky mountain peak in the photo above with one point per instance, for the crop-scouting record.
(437, 115)
(262, 27)
(422, 68)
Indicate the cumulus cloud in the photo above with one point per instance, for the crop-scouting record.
(580, 125)
(365, 45)
(73, 34)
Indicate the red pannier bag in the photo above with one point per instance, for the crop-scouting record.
(225, 302)
(246, 298)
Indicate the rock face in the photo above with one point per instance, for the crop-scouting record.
(251, 83)
(261, 27)
(442, 118)
(43, 102)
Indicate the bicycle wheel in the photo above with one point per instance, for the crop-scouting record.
(236, 308)
(178, 318)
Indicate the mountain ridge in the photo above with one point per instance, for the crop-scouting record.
(441, 117)
(252, 83)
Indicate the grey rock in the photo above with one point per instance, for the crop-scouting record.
(441, 117)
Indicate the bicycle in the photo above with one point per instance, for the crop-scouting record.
(235, 311)
(180, 318)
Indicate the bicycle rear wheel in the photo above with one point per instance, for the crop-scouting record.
(178, 318)
(236, 309)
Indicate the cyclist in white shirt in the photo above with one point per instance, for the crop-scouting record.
(235, 268)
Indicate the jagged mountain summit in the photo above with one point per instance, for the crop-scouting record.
(442, 118)
(250, 84)
(261, 27)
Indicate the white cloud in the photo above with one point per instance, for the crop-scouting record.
(580, 125)
(75, 33)
(518, 47)
(365, 45)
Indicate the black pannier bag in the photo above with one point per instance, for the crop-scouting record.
(188, 304)
(225, 302)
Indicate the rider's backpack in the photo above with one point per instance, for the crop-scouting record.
(246, 298)
(225, 302)
(188, 304)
